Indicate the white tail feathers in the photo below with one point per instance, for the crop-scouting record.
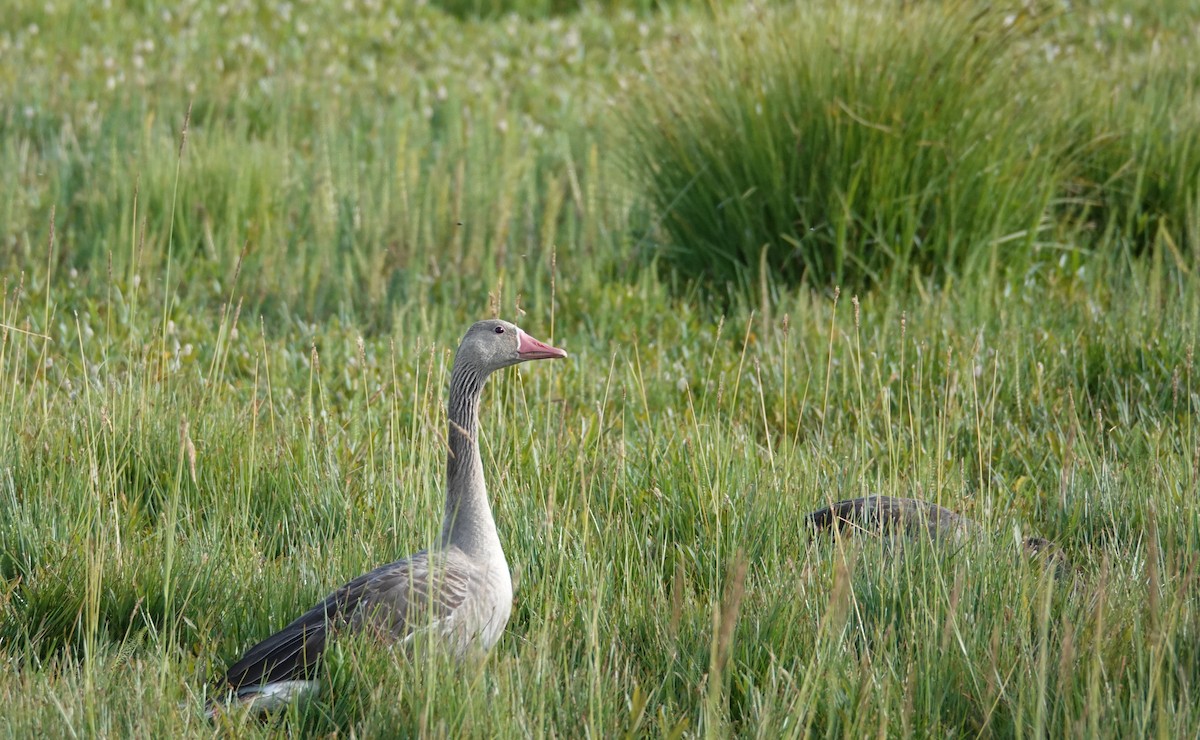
(266, 698)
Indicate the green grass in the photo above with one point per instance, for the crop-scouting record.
(223, 366)
(871, 142)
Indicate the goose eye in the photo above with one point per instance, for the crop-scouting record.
(499, 329)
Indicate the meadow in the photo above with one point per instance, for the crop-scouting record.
(798, 252)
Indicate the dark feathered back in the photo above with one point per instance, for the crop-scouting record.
(886, 514)
(908, 516)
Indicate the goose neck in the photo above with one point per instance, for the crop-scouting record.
(468, 521)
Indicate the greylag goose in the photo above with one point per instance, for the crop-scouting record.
(910, 516)
(459, 590)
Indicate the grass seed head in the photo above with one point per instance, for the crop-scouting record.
(183, 134)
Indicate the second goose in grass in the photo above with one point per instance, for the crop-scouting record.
(910, 516)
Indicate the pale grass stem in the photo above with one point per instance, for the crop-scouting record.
(837, 292)
(168, 295)
(786, 325)
(725, 617)
(46, 312)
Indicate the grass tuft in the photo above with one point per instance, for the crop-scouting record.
(869, 144)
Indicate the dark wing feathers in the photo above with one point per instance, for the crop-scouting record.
(293, 652)
(390, 597)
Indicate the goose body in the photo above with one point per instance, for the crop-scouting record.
(460, 590)
(891, 515)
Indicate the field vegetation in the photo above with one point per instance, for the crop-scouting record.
(798, 252)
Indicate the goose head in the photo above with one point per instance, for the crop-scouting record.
(494, 344)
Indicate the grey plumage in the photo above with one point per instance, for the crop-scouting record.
(392, 599)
